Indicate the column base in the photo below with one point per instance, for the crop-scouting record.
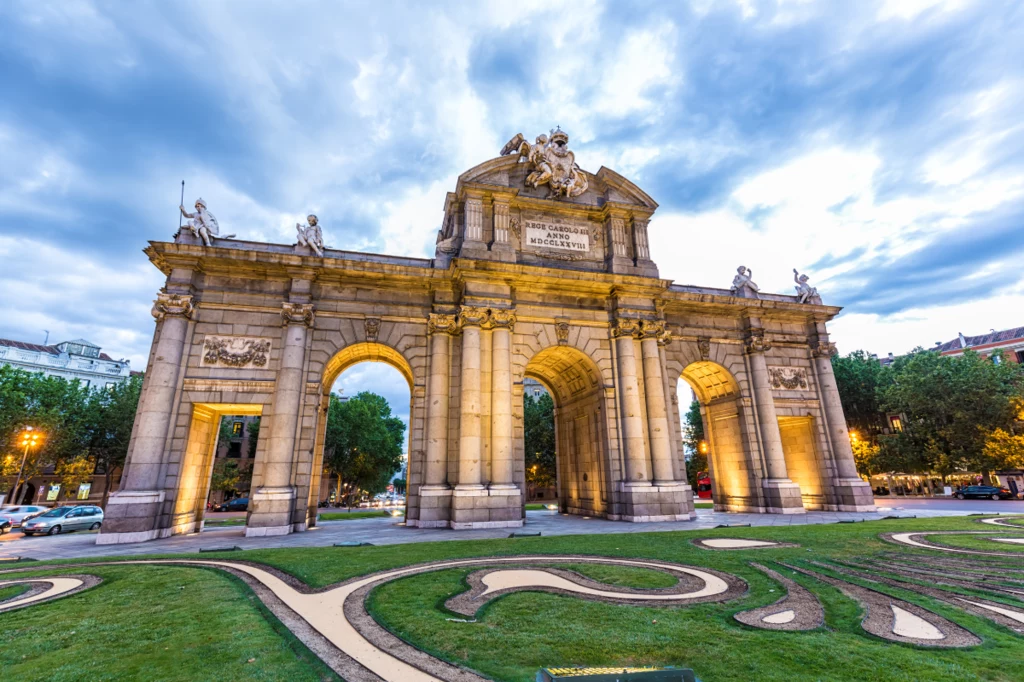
(435, 507)
(647, 503)
(854, 495)
(782, 496)
(132, 516)
(500, 506)
(270, 512)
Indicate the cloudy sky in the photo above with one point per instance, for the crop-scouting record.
(875, 144)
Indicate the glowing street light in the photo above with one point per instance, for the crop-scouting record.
(30, 438)
(703, 447)
(853, 437)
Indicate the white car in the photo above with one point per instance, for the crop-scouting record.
(18, 514)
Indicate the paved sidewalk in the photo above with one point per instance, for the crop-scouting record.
(385, 531)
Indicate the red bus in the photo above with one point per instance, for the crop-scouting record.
(703, 485)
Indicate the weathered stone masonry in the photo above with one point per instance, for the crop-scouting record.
(592, 321)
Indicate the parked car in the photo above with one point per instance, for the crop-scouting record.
(981, 491)
(237, 504)
(5, 525)
(21, 513)
(64, 519)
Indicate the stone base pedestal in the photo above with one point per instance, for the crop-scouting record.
(270, 512)
(480, 507)
(505, 253)
(640, 503)
(435, 508)
(132, 516)
(782, 496)
(854, 495)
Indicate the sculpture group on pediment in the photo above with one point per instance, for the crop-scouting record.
(553, 163)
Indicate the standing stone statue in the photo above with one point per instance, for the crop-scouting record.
(202, 224)
(742, 284)
(805, 292)
(310, 235)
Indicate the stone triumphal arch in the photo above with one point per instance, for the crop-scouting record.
(541, 270)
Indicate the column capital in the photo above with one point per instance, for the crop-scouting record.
(442, 323)
(297, 313)
(172, 304)
(756, 343)
(652, 329)
(823, 349)
(500, 319)
(624, 326)
(471, 316)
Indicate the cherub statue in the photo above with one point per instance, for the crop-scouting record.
(310, 235)
(742, 282)
(202, 223)
(805, 292)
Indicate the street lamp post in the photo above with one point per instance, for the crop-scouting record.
(29, 438)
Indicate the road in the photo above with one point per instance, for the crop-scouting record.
(944, 504)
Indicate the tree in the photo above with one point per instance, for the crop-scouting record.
(363, 444)
(57, 408)
(953, 404)
(858, 376)
(1006, 448)
(254, 436)
(226, 476)
(539, 440)
(695, 442)
(113, 416)
(73, 473)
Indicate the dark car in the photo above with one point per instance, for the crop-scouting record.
(5, 525)
(981, 491)
(237, 504)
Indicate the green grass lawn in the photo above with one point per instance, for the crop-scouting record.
(214, 523)
(173, 623)
(703, 505)
(345, 516)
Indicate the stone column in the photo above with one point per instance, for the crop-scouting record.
(632, 426)
(851, 492)
(435, 494)
(658, 432)
(440, 327)
(470, 320)
(271, 505)
(501, 400)
(781, 494)
(133, 510)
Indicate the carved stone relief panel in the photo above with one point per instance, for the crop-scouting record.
(788, 378)
(235, 351)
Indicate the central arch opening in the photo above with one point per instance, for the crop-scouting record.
(574, 384)
(362, 445)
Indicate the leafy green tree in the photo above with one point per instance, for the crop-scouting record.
(57, 408)
(1006, 448)
(363, 444)
(539, 440)
(74, 472)
(953, 404)
(112, 418)
(858, 377)
(226, 476)
(695, 442)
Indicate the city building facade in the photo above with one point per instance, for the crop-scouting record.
(77, 360)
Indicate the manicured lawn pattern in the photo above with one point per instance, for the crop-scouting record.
(212, 625)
